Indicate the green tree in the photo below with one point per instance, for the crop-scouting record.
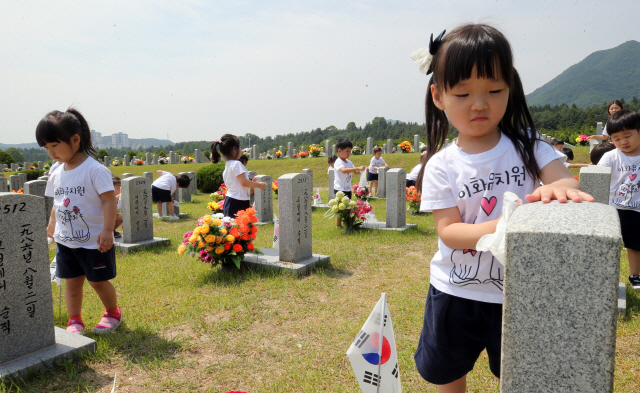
(132, 153)
(6, 158)
(160, 153)
(16, 154)
(102, 153)
(351, 127)
(379, 123)
(207, 154)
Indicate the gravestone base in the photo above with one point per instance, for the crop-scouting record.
(622, 300)
(271, 261)
(382, 226)
(320, 206)
(66, 347)
(129, 247)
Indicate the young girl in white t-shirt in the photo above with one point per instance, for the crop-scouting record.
(497, 150)
(83, 217)
(235, 175)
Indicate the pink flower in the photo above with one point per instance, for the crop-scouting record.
(188, 234)
(185, 241)
(203, 254)
(208, 259)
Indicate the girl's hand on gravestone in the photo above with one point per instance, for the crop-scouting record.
(105, 240)
(262, 185)
(561, 193)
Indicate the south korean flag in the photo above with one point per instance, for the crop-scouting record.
(373, 353)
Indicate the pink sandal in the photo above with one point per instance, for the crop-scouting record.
(109, 322)
(76, 326)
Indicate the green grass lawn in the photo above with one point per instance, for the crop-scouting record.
(190, 328)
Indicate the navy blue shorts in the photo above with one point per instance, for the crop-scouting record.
(630, 227)
(411, 183)
(75, 262)
(160, 195)
(232, 206)
(454, 333)
(372, 176)
(346, 193)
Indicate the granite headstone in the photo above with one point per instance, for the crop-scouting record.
(294, 200)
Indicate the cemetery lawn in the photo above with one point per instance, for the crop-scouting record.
(191, 328)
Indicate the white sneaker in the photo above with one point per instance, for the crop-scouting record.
(174, 217)
(157, 215)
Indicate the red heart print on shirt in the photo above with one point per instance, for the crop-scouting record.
(66, 202)
(633, 177)
(488, 204)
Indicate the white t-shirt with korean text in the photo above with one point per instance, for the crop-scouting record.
(232, 169)
(625, 179)
(342, 181)
(377, 162)
(77, 204)
(475, 184)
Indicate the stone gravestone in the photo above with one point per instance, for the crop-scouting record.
(127, 175)
(282, 151)
(382, 181)
(28, 338)
(184, 194)
(334, 150)
(369, 145)
(389, 146)
(594, 142)
(147, 160)
(37, 188)
(327, 148)
(4, 187)
(290, 149)
(14, 183)
(137, 219)
(40, 165)
(294, 198)
(264, 200)
(125, 160)
(303, 148)
(255, 152)
(197, 156)
(295, 151)
(416, 143)
(308, 172)
(332, 178)
(172, 157)
(25, 165)
(398, 149)
(193, 182)
(154, 160)
(544, 137)
(107, 161)
(559, 333)
(14, 167)
(45, 177)
(23, 179)
(396, 181)
(148, 175)
(596, 180)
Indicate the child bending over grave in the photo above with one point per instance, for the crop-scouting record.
(624, 161)
(569, 153)
(331, 161)
(344, 171)
(372, 174)
(235, 175)
(83, 217)
(472, 84)
(599, 150)
(117, 183)
(413, 175)
(162, 191)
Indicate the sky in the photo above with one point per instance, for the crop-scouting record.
(194, 70)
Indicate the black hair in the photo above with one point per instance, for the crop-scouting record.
(183, 181)
(59, 126)
(343, 143)
(116, 180)
(568, 152)
(599, 150)
(556, 141)
(485, 49)
(225, 145)
(614, 102)
(377, 149)
(244, 159)
(623, 120)
(332, 159)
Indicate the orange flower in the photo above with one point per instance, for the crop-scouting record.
(227, 246)
(181, 249)
(254, 219)
(250, 246)
(230, 238)
(210, 239)
(245, 220)
(206, 219)
(201, 244)
(219, 250)
(254, 230)
(210, 248)
(250, 211)
(253, 236)
(237, 248)
(217, 222)
(234, 232)
(238, 220)
(244, 237)
(223, 231)
(244, 229)
(204, 229)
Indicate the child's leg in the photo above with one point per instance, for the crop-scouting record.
(170, 208)
(73, 295)
(457, 386)
(375, 187)
(159, 204)
(107, 293)
(634, 262)
(118, 221)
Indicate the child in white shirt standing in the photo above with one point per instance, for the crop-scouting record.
(235, 175)
(344, 170)
(372, 175)
(624, 130)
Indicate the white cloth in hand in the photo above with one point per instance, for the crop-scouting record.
(496, 242)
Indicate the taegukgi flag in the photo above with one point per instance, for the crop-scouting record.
(373, 353)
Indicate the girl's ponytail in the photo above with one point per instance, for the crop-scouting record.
(85, 133)
(215, 156)
(224, 146)
(437, 126)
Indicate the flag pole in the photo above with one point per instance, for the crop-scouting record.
(384, 309)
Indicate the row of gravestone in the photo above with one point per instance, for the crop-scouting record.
(13, 167)
(152, 159)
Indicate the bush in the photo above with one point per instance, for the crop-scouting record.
(210, 177)
(33, 174)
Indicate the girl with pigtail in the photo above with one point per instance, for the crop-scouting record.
(83, 217)
(235, 175)
(475, 87)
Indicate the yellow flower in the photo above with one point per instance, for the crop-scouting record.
(210, 239)
(230, 238)
(201, 244)
(206, 219)
(204, 229)
(217, 222)
(181, 249)
(223, 231)
(193, 238)
(196, 231)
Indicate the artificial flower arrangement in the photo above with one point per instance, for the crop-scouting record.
(315, 150)
(413, 196)
(583, 139)
(269, 157)
(362, 192)
(20, 191)
(222, 240)
(357, 150)
(405, 147)
(20, 168)
(115, 163)
(296, 156)
(278, 154)
(274, 187)
(217, 205)
(304, 154)
(352, 213)
(222, 190)
(163, 160)
(32, 167)
(187, 159)
(138, 162)
(9, 170)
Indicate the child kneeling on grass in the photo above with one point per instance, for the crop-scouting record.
(162, 191)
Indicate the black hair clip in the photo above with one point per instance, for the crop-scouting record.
(424, 57)
(434, 45)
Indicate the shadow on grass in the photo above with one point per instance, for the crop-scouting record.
(633, 302)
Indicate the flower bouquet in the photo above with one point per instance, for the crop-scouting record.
(20, 191)
(20, 168)
(304, 154)
(278, 154)
(362, 192)
(274, 187)
(296, 156)
(222, 190)
(315, 150)
(351, 212)
(185, 159)
(138, 162)
(356, 151)
(413, 196)
(115, 163)
(220, 240)
(405, 147)
(583, 139)
(269, 157)
(163, 160)
(31, 167)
